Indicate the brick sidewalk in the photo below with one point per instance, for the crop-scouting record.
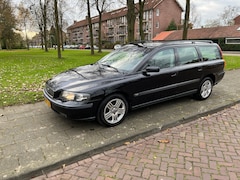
(207, 148)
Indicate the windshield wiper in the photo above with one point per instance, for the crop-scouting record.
(78, 73)
(110, 67)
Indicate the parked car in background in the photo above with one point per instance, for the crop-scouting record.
(81, 46)
(135, 76)
(89, 47)
(117, 46)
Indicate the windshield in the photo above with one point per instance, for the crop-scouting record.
(125, 59)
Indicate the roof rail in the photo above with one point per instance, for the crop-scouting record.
(188, 41)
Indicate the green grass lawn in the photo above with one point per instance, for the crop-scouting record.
(23, 73)
(232, 62)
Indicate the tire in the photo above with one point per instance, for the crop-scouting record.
(205, 89)
(112, 110)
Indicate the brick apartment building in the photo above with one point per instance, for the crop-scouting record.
(158, 14)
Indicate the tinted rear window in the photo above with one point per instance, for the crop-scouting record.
(210, 52)
(187, 55)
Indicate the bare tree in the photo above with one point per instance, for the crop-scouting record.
(195, 17)
(212, 23)
(229, 13)
(62, 9)
(38, 20)
(225, 18)
(186, 20)
(24, 18)
(101, 6)
(40, 8)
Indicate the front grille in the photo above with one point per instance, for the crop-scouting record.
(49, 91)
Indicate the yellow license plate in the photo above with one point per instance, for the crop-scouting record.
(47, 102)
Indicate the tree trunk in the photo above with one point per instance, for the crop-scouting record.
(57, 29)
(186, 20)
(44, 13)
(100, 33)
(141, 30)
(61, 31)
(90, 27)
(131, 20)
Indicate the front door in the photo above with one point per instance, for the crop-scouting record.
(189, 69)
(151, 87)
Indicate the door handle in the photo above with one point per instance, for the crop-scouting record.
(200, 69)
(174, 75)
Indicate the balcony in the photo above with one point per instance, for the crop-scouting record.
(110, 34)
(122, 25)
(145, 31)
(121, 33)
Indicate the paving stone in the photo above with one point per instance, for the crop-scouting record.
(180, 164)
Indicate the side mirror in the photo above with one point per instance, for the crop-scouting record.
(150, 69)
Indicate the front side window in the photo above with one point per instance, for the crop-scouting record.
(187, 55)
(163, 59)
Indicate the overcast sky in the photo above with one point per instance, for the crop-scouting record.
(210, 9)
(206, 9)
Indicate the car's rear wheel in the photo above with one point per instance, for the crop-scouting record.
(112, 110)
(205, 89)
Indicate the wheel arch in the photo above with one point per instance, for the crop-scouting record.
(124, 94)
(212, 76)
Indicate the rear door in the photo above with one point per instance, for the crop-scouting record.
(190, 69)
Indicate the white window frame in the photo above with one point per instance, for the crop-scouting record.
(157, 12)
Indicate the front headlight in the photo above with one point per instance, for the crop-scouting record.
(71, 96)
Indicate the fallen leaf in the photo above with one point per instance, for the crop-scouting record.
(165, 141)
(127, 143)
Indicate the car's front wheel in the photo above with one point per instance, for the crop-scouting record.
(205, 89)
(112, 110)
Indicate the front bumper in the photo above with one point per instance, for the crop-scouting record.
(72, 110)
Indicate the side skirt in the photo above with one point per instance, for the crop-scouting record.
(165, 99)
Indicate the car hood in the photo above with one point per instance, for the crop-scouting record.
(82, 78)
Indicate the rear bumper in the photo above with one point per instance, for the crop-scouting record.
(219, 77)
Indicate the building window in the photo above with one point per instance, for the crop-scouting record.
(157, 24)
(150, 14)
(146, 15)
(157, 12)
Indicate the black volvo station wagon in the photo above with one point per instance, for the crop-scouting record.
(134, 76)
